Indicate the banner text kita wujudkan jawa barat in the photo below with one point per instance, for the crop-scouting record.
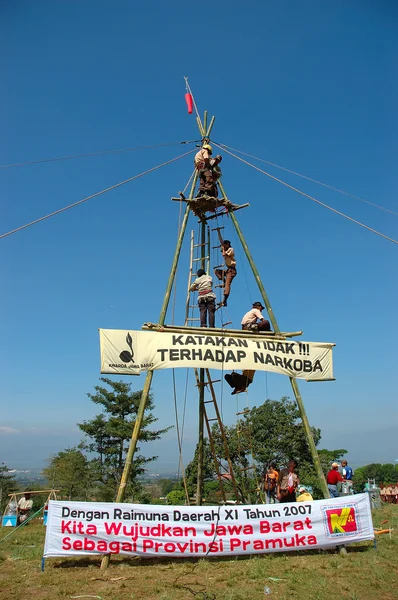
(81, 528)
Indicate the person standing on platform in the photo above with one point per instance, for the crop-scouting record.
(228, 274)
(206, 298)
(288, 482)
(207, 171)
(332, 479)
(254, 320)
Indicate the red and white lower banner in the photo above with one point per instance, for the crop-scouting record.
(81, 528)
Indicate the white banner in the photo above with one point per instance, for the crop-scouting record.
(77, 528)
(131, 352)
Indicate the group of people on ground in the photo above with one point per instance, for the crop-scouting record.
(284, 485)
(389, 493)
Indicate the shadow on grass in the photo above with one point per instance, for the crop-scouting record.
(137, 561)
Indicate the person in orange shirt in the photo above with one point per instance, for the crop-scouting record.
(270, 483)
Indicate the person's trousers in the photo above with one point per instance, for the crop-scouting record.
(226, 276)
(207, 184)
(271, 496)
(288, 497)
(259, 326)
(207, 306)
(333, 491)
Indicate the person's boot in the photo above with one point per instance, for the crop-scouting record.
(219, 274)
(229, 378)
(224, 302)
(237, 381)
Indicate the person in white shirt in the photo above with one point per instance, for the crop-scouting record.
(254, 319)
(206, 299)
(24, 507)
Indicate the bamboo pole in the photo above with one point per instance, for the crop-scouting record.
(205, 121)
(210, 126)
(293, 382)
(217, 332)
(148, 380)
(33, 492)
(199, 486)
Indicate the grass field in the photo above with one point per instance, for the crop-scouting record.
(364, 573)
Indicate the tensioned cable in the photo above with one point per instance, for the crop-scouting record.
(338, 212)
(99, 153)
(330, 187)
(181, 462)
(112, 187)
(179, 229)
(188, 87)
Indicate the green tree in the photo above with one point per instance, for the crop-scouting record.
(69, 471)
(167, 485)
(191, 471)
(270, 432)
(108, 434)
(382, 473)
(176, 497)
(7, 485)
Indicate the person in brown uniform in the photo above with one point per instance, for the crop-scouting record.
(288, 482)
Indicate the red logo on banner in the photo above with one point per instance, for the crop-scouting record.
(341, 520)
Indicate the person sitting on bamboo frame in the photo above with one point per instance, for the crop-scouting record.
(253, 320)
(239, 381)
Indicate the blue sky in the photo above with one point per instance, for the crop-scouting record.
(310, 86)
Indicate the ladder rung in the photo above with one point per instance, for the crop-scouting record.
(213, 381)
(243, 412)
(196, 259)
(213, 419)
(208, 401)
(214, 247)
(193, 306)
(221, 285)
(227, 323)
(246, 468)
(218, 228)
(218, 266)
(193, 319)
(198, 245)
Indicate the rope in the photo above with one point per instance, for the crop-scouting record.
(310, 197)
(184, 407)
(22, 524)
(181, 462)
(330, 187)
(57, 212)
(188, 87)
(99, 153)
(179, 229)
